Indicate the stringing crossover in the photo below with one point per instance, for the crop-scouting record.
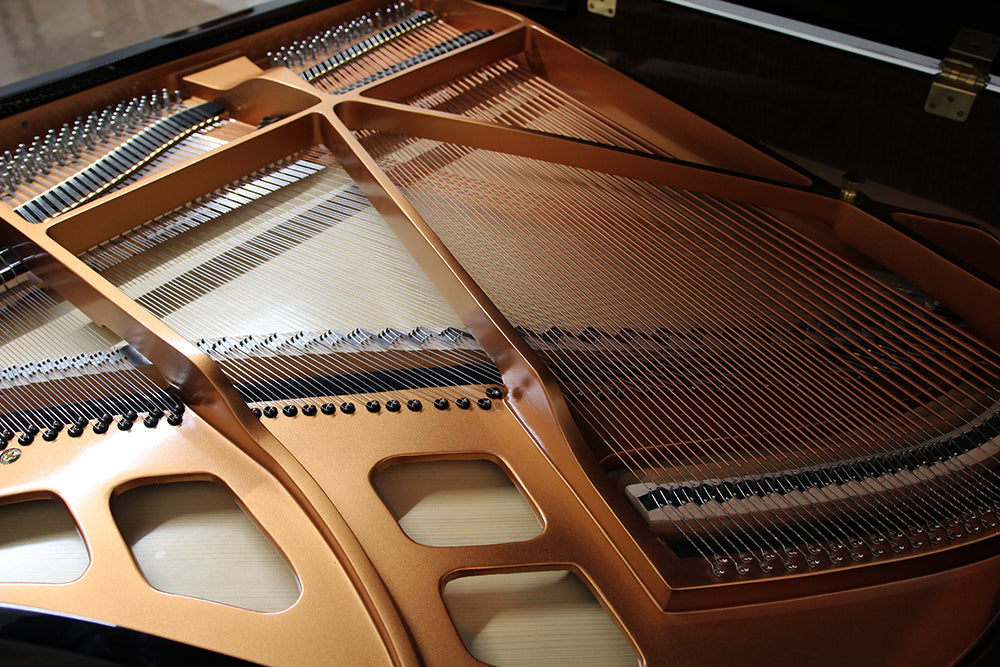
(381, 239)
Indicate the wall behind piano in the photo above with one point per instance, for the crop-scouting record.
(42, 35)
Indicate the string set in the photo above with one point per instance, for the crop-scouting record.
(773, 404)
(235, 272)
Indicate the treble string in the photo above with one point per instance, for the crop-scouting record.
(274, 228)
(71, 374)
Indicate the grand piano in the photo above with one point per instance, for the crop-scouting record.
(412, 333)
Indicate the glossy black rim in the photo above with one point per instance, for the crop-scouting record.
(44, 639)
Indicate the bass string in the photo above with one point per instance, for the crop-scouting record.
(936, 330)
(509, 93)
(618, 240)
(742, 228)
(894, 335)
(867, 318)
(924, 365)
(934, 348)
(800, 285)
(984, 476)
(697, 517)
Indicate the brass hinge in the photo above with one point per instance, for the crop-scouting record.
(965, 71)
(602, 7)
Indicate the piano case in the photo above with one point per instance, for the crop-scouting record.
(413, 334)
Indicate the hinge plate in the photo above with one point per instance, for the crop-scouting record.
(964, 72)
(602, 7)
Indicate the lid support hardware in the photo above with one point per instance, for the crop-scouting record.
(965, 71)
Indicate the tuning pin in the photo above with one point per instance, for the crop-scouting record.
(155, 103)
(85, 134)
(67, 145)
(102, 126)
(25, 161)
(329, 40)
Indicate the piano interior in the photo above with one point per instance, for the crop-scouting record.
(410, 333)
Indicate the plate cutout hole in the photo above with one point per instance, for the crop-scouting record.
(534, 618)
(456, 503)
(40, 544)
(192, 539)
